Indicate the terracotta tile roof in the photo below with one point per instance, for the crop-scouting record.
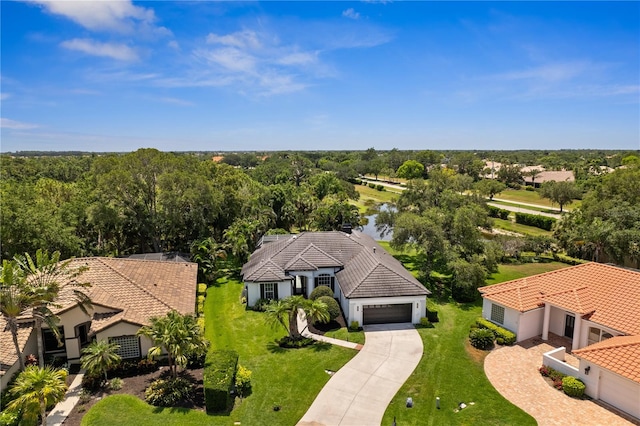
(609, 294)
(620, 354)
(557, 176)
(8, 355)
(133, 289)
(366, 269)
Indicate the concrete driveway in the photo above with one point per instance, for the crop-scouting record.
(359, 393)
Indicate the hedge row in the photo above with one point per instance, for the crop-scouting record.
(498, 213)
(218, 379)
(539, 221)
(503, 336)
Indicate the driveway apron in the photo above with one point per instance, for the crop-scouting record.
(359, 393)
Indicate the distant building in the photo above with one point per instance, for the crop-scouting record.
(548, 176)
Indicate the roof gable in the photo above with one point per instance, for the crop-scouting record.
(614, 354)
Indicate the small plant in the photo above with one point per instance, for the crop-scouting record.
(243, 300)
(260, 305)
(481, 338)
(202, 288)
(573, 386)
(321, 290)
(169, 392)
(354, 326)
(243, 381)
(30, 359)
(115, 383)
(85, 396)
(424, 321)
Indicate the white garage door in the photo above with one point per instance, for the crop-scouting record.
(620, 392)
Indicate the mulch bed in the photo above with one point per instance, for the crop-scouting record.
(320, 328)
(136, 386)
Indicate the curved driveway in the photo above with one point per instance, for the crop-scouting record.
(359, 393)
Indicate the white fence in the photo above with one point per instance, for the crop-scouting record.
(555, 360)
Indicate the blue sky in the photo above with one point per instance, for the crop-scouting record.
(232, 76)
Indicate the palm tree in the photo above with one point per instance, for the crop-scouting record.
(13, 301)
(283, 312)
(99, 357)
(533, 173)
(36, 389)
(278, 314)
(316, 311)
(176, 334)
(45, 278)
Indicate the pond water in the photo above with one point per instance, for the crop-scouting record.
(370, 227)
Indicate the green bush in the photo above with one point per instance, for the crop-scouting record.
(169, 392)
(354, 326)
(507, 337)
(218, 379)
(573, 386)
(481, 338)
(295, 342)
(201, 323)
(529, 188)
(9, 418)
(115, 383)
(380, 187)
(568, 259)
(432, 316)
(243, 381)
(202, 288)
(372, 185)
(200, 299)
(498, 212)
(260, 305)
(542, 222)
(321, 290)
(332, 306)
(200, 309)
(424, 321)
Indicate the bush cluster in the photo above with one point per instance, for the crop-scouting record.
(380, 188)
(295, 342)
(481, 338)
(555, 376)
(243, 381)
(260, 305)
(573, 386)
(218, 379)
(538, 221)
(354, 326)
(200, 305)
(169, 392)
(332, 306)
(498, 212)
(503, 336)
(202, 288)
(372, 185)
(432, 316)
(568, 259)
(321, 290)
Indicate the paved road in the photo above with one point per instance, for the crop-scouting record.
(359, 393)
(523, 210)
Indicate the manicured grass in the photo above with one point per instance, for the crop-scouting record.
(513, 272)
(507, 225)
(128, 409)
(344, 334)
(521, 195)
(537, 209)
(367, 193)
(290, 378)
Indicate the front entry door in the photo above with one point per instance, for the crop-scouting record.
(569, 323)
(300, 286)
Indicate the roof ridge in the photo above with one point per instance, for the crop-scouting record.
(321, 251)
(133, 282)
(610, 343)
(555, 271)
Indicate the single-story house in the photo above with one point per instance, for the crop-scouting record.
(371, 285)
(597, 307)
(548, 176)
(125, 293)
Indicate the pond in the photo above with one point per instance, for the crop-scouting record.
(370, 227)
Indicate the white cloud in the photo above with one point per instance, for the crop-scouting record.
(176, 101)
(120, 16)
(548, 73)
(241, 39)
(7, 123)
(174, 45)
(298, 58)
(351, 13)
(4, 96)
(120, 52)
(230, 58)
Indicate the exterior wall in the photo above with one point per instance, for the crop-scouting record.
(253, 291)
(630, 394)
(355, 310)
(584, 332)
(125, 329)
(556, 360)
(511, 316)
(530, 324)
(31, 347)
(556, 321)
(69, 320)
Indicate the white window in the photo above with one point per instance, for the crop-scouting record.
(129, 346)
(597, 335)
(269, 291)
(497, 313)
(326, 280)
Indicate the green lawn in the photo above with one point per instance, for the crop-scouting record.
(521, 195)
(367, 193)
(344, 334)
(507, 225)
(513, 272)
(537, 209)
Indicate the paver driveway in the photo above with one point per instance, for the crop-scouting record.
(359, 393)
(513, 371)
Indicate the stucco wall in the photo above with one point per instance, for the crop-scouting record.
(419, 308)
(125, 329)
(69, 320)
(557, 320)
(511, 316)
(530, 324)
(253, 291)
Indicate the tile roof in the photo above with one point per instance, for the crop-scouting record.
(551, 175)
(133, 289)
(620, 354)
(608, 294)
(366, 269)
(8, 355)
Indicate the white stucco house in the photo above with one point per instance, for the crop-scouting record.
(125, 293)
(597, 307)
(371, 286)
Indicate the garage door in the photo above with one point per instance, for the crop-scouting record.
(620, 392)
(382, 314)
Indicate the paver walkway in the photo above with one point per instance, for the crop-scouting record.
(302, 325)
(359, 393)
(59, 414)
(513, 371)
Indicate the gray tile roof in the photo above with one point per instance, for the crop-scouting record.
(366, 269)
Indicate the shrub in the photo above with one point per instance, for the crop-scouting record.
(243, 381)
(295, 342)
(354, 326)
(380, 187)
(424, 321)
(481, 338)
(529, 188)
(542, 222)
(201, 324)
(332, 306)
(115, 383)
(9, 418)
(202, 288)
(432, 316)
(200, 299)
(218, 379)
(260, 305)
(169, 392)
(573, 386)
(321, 290)
(507, 337)
(372, 185)
(498, 212)
(200, 309)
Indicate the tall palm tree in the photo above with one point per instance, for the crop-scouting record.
(45, 277)
(99, 357)
(316, 311)
(13, 301)
(283, 312)
(176, 334)
(36, 389)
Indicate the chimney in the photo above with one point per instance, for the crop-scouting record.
(346, 228)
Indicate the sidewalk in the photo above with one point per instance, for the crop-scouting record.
(523, 210)
(59, 414)
(302, 325)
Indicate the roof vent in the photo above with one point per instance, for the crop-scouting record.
(347, 228)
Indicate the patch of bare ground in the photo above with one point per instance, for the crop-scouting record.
(477, 355)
